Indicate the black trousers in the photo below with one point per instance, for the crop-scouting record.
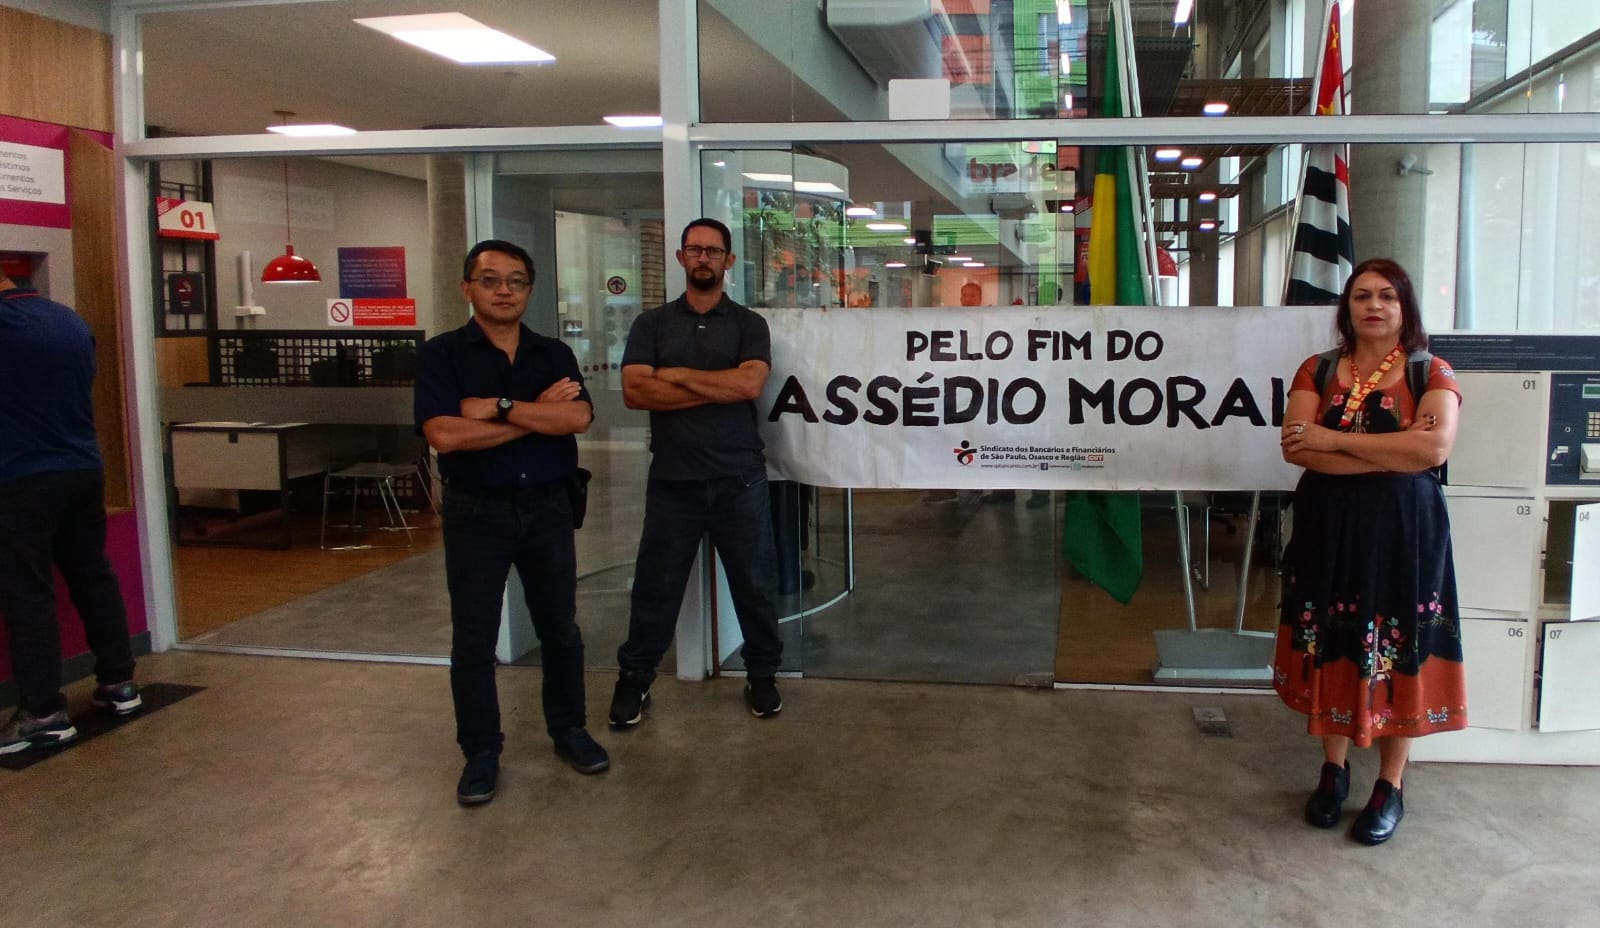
(737, 513)
(485, 535)
(58, 520)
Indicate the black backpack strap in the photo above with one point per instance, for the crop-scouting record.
(1418, 365)
(1325, 363)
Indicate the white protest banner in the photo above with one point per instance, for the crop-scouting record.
(1090, 398)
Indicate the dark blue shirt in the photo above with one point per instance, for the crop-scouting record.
(714, 439)
(462, 363)
(46, 371)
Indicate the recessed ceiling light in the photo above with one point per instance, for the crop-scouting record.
(634, 122)
(860, 212)
(307, 129)
(1207, 226)
(894, 264)
(1214, 108)
(814, 186)
(887, 226)
(1169, 154)
(1208, 196)
(1067, 207)
(1192, 162)
(976, 264)
(460, 38)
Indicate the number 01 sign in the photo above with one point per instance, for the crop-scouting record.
(185, 219)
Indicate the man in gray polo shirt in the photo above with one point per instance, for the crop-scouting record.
(698, 364)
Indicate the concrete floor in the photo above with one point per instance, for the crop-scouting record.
(300, 792)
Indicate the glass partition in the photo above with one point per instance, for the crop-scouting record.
(1026, 59)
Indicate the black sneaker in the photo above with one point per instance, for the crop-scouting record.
(761, 695)
(629, 699)
(28, 732)
(478, 779)
(581, 751)
(119, 698)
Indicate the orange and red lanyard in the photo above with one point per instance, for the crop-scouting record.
(1359, 391)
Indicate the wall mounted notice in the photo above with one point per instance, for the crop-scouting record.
(33, 174)
(378, 271)
(374, 312)
(185, 219)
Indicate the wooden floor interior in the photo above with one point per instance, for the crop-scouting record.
(219, 585)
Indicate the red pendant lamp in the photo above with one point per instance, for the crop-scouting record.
(289, 268)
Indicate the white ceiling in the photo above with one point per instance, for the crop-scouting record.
(224, 71)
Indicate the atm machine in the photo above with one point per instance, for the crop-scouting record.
(1524, 500)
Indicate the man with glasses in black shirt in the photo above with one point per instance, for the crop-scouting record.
(698, 364)
(501, 404)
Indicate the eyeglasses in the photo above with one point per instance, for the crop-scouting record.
(712, 252)
(491, 282)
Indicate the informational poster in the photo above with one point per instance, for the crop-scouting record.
(372, 312)
(373, 272)
(33, 174)
(1103, 398)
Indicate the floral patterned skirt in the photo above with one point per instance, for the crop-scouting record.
(1369, 639)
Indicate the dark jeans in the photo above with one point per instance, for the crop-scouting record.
(737, 513)
(485, 535)
(58, 519)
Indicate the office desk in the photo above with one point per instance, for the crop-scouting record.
(251, 456)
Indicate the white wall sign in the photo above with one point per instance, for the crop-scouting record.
(185, 219)
(1119, 398)
(32, 174)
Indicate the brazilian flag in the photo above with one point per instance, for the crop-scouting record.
(1102, 539)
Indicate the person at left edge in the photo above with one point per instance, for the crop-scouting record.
(53, 515)
(502, 405)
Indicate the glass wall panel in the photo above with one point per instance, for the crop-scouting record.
(300, 496)
(1017, 59)
(223, 71)
(595, 220)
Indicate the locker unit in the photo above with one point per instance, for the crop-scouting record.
(1525, 528)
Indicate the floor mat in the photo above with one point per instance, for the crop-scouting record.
(93, 723)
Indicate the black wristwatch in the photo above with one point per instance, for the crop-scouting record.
(502, 409)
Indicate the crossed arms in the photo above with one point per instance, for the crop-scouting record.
(664, 389)
(1424, 444)
(557, 411)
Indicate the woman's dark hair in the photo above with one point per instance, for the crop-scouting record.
(722, 230)
(494, 244)
(1412, 336)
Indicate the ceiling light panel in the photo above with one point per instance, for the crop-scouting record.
(459, 38)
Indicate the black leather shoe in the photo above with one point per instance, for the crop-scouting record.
(1326, 805)
(581, 751)
(478, 779)
(1377, 821)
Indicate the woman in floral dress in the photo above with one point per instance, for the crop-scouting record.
(1369, 642)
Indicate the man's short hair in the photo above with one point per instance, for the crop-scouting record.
(495, 244)
(727, 236)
